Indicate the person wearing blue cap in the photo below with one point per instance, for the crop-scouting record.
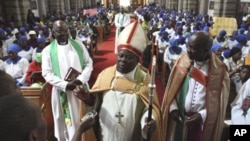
(196, 26)
(41, 43)
(22, 30)
(9, 34)
(25, 50)
(217, 50)
(36, 29)
(84, 37)
(46, 33)
(169, 28)
(232, 39)
(178, 33)
(242, 40)
(182, 43)
(173, 52)
(15, 65)
(162, 41)
(234, 62)
(222, 39)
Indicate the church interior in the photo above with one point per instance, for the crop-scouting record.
(167, 25)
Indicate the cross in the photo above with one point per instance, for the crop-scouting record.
(119, 116)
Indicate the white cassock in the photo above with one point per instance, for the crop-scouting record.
(67, 57)
(232, 43)
(121, 20)
(162, 46)
(26, 54)
(18, 70)
(223, 44)
(113, 102)
(237, 116)
(169, 58)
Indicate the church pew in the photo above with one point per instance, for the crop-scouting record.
(42, 96)
(101, 33)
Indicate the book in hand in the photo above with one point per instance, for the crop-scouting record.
(71, 74)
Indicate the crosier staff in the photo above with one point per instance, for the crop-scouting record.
(151, 86)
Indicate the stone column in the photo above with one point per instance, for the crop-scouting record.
(74, 4)
(185, 5)
(163, 3)
(203, 6)
(24, 5)
(218, 8)
(12, 8)
(166, 4)
(57, 6)
(193, 6)
(180, 5)
(41, 7)
(173, 4)
(230, 8)
(67, 5)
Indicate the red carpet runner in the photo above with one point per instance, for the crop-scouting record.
(105, 57)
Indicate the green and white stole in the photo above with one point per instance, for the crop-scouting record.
(56, 69)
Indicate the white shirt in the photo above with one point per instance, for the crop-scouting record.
(162, 45)
(26, 54)
(169, 58)
(195, 98)
(236, 112)
(18, 70)
(113, 102)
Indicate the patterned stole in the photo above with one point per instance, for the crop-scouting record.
(180, 131)
(56, 69)
(198, 76)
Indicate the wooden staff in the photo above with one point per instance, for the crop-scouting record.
(151, 94)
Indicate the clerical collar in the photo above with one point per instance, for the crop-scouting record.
(130, 75)
(62, 43)
(200, 64)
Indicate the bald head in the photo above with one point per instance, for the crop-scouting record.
(60, 32)
(199, 46)
(202, 40)
(59, 24)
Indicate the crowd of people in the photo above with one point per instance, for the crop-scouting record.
(207, 77)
